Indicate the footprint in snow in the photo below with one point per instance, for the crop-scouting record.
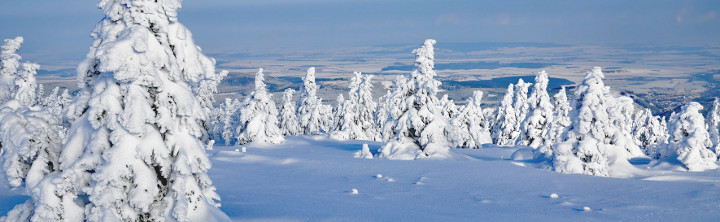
(421, 181)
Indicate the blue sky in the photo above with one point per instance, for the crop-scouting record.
(62, 27)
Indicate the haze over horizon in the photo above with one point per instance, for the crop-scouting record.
(61, 28)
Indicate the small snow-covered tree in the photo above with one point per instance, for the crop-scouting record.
(521, 106)
(558, 125)
(713, 119)
(30, 137)
(505, 120)
(621, 115)
(366, 107)
(448, 107)
(258, 116)
(56, 101)
(9, 66)
(471, 129)
(229, 120)
(288, 117)
(649, 132)
(315, 117)
(592, 142)
(534, 129)
(342, 117)
(354, 116)
(419, 129)
(137, 150)
(392, 105)
(689, 140)
(26, 85)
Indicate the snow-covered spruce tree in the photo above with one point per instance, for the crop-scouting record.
(534, 129)
(381, 116)
(366, 107)
(558, 125)
(393, 104)
(136, 152)
(56, 101)
(29, 134)
(689, 140)
(315, 118)
(258, 116)
(448, 107)
(229, 120)
(420, 130)
(505, 120)
(713, 119)
(354, 116)
(471, 129)
(342, 119)
(521, 105)
(26, 85)
(592, 143)
(9, 66)
(649, 132)
(289, 124)
(621, 115)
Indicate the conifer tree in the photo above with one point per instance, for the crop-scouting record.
(258, 116)
(288, 117)
(534, 129)
(713, 119)
(592, 138)
(689, 140)
(30, 137)
(558, 125)
(419, 129)
(649, 132)
(315, 117)
(471, 129)
(449, 109)
(136, 152)
(9, 66)
(505, 119)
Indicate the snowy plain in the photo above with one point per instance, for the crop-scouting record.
(311, 178)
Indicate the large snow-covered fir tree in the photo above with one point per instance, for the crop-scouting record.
(689, 140)
(314, 116)
(592, 143)
(471, 129)
(534, 128)
(289, 124)
(259, 116)
(136, 152)
(419, 129)
(504, 131)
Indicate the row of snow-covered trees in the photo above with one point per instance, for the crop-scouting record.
(130, 145)
(587, 133)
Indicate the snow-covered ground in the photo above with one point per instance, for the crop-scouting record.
(312, 179)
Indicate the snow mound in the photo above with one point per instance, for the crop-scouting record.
(523, 154)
